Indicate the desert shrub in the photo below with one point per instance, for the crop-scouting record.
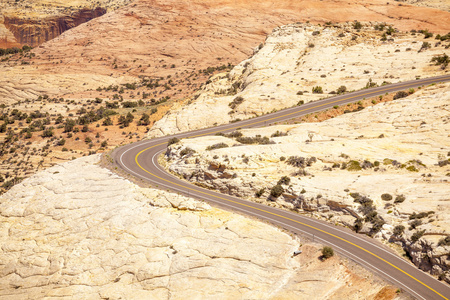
(129, 104)
(412, 169)
(425, 46)
(371, 216)
(341, 34)
(386, 197)
(187, 151)
(234, 134)
(400, 94)
(107, 121)
(48, 132)
(342, 89)
(276, 191)
(104, 144)
(442, 60)
(260, 192)
(353, 165)
(417, 235)
(172, 141)
(217, 146)
(144, 120)
(377, 225)
(285, 180)
(297, 161)
(420, 215)
(399, 199)
(398, 230)
(317, 90)
(444, 241)
(236, 101)
(282, 158)
(255, 140)
(357, 25)
(316, 32)
(279, 133)
(358, 225)
(61, 142)
(327, 252)
(87, 140)
(414, 224)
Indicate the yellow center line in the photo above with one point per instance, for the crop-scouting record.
(280, 216)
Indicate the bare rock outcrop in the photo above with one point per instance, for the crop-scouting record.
(299, 63)
(78, 230)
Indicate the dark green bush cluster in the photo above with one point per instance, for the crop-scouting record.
(401, 94)
(357, 25)
(217, 146)
(342, 89)
(417, 235)
(443, 37)
(260, 192)
(144, 120)
(126, 120)
(236, 101)
(279, 133)
(234, 134)
(172, 141)
(317, 90)
(420, 215)
(399, 199)
(255, 140)
(300, 162)
(327, 252)
(441, 60)
(285, 180)
(398, 230)
(187, 151)
(276, 191)
(386, 197)
(14, 50)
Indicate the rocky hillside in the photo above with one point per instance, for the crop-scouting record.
(299, 63)
(387, 177)
(79, 230)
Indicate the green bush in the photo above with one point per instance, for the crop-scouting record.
(417, 235)
(386, 197)
(285, 180)
(173, 141)
(186, 151)
(400, 94)
(317, 90)
(442, 60)
(276, 191)
(260, 192)
(357, 25)
(327, 252)
(217, 146)
(398, 230)
(342, 89)
(353, 165)
(236, 101)
(399, 199)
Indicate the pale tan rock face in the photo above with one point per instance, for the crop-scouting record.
(295, 59)
(78, 230)
(412, 131)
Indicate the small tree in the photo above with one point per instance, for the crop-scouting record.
(327, 252)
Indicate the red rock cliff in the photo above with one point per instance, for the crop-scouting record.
(35, 32)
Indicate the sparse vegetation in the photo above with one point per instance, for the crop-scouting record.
(276, 191)
(327, 252)
(317, 90)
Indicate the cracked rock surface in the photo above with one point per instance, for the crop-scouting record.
(78, 231)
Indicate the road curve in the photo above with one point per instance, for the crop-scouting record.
(140, 160)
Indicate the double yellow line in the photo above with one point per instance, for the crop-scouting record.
(283, 217)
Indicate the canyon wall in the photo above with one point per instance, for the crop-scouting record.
(34, 32)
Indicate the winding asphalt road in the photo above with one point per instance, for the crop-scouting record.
(140, 160)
